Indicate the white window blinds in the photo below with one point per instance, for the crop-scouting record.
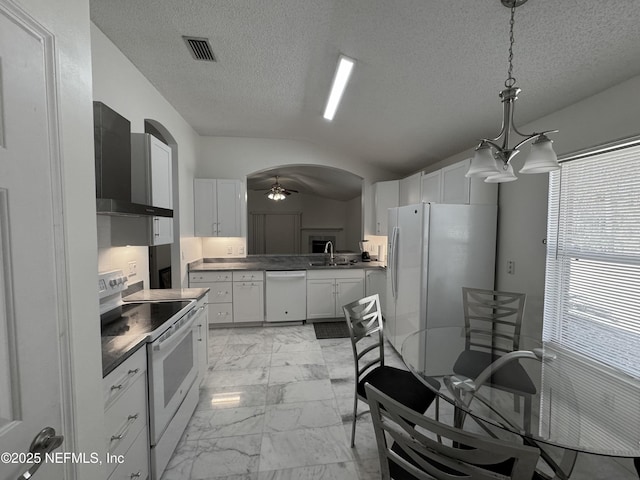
(592, 289)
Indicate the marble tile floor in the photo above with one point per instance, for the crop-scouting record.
(276, 404)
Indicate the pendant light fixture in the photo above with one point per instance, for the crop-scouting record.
(492, 159)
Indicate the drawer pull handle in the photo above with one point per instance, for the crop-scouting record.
(133, 372)
(138, 474)
(116, 387)
(130, 420)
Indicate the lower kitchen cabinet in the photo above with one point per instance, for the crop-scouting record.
(329, 290)
(201, 331)
(248, 297)
(376, 282)
(125, 402)
(234, 297)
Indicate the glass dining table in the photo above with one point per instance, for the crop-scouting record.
(576, 404)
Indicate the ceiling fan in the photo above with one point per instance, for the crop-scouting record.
(277, 192)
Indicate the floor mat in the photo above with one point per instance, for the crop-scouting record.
(331, 330)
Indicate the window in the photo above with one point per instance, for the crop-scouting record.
(592, 288)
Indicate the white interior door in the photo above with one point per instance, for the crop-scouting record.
(30, 372)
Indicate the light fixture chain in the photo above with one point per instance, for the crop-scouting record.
(511, 81)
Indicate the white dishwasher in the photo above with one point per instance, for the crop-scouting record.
(286, 296)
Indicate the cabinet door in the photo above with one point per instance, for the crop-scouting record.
(162, 230)
(228, 204)
(321, 300)
(410, 190)
(248, 302)
(455, 186)
(205, 209)
(347, 291)
(431, 190)
(385, 197)
(161, 174)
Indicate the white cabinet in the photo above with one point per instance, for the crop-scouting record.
(218, 206)
(409, 191)
(125, 403)
(329, 290)
(152, 182)
(201, 331)
(431, 187)
(449, 185)
(220, 297)
(234, 297)
(385, 196)
(375, 281)
(248, 297)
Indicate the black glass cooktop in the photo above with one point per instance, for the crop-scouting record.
(139, 318)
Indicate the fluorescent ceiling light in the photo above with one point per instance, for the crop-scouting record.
(343, 72)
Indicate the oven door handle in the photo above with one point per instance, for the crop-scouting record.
(174, 334)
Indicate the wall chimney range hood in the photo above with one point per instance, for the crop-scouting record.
(112, 138)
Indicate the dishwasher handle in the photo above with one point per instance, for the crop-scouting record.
(287, 274)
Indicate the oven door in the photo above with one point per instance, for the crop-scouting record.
(173, 367)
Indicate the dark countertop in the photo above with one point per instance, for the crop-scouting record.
(116, 350)
(283, 262)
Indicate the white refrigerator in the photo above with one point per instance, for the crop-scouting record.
(434, 251)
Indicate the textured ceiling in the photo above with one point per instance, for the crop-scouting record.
(427, 76)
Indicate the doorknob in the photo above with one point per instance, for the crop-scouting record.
(44, 442)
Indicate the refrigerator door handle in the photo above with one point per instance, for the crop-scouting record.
(393, 262)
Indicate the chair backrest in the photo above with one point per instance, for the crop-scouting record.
(364, 319)
(499, 313)
(458, 454)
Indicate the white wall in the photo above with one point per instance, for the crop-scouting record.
(232, 157)
(607, 116)
(68, 20)
(121, 86)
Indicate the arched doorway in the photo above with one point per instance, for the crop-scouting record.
(321, 203)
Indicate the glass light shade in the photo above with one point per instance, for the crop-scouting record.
(276, 196)
(483, 164)
(542, 158)
(504, 175)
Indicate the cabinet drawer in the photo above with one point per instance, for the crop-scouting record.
(248, 276)
(221, 292)
(212, 276)
(126, 417)
(116, 383)
(220, 313)
(136, 461)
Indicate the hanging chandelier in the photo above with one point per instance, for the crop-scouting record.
(492, 159)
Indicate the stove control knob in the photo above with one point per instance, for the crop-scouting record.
(112, 283)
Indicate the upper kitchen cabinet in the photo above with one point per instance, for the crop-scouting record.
(449, 185)
(385, 196)
(151, 189)
(409, 190)
(218, 206)
(152, 182)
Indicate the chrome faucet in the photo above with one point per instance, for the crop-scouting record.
(329, 246)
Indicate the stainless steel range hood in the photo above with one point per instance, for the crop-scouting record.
(112, 137)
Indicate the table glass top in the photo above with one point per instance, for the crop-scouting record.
(576, 403)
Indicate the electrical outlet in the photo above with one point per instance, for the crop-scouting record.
(241, 250)
(133, 269)
(229, 249)
(511, 267)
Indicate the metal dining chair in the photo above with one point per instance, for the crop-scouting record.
(364, 319)
(493, 322)
(407, 452)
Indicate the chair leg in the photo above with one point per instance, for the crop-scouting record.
(355, 417)
(527, 413)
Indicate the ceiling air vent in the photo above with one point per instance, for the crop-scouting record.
(200, 48)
